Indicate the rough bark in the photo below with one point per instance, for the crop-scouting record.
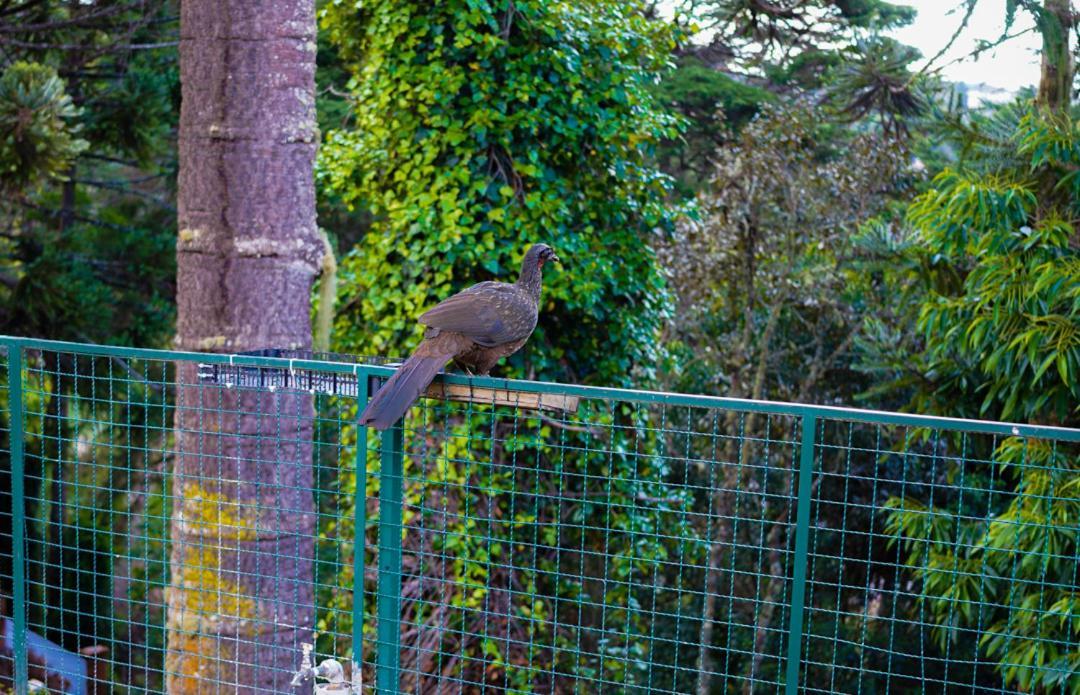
(241, 598)
(1056, 22)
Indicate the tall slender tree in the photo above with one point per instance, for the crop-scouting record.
(241, 599)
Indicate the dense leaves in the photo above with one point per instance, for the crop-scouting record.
(38, 135)
(989, 279)
(476, 130)
(989, 282)
(1009, 579)
(480, 128)
(769, 298)
(87, 106)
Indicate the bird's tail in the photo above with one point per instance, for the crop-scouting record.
(401, 390)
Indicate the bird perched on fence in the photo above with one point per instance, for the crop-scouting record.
(476, 328)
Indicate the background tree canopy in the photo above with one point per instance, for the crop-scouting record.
(88, 103)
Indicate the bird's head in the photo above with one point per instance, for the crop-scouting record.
(540, 254)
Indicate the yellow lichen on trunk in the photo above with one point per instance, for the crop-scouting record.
(205, 595)
(204, 603)
(205, 513)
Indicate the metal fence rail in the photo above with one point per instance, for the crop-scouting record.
(166, 528)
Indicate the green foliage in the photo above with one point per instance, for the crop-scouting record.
(88, 104)
(778, 32)
(97, 520)
(38, 132)
(480, 128)
(87, 156)
(876, 81)
(993, 281)
(779, 52)
(1010, 578)
(490, 473)
(344, 224)
(136, 114)
(87, 282)
(875, 14)
(715, 105)
(987, 323)
(767, 289)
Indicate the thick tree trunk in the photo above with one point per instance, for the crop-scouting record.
(1056, 23)
(241, 597)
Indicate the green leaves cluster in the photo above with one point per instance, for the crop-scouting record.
(988, 285)
(999, 251)
(39, 137)
(574, 565)
(89, 99)
(1008, 578)
(481, 127)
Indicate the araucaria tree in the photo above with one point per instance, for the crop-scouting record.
(481, 127)
(87, 225)
(241, 599)
(87, 121)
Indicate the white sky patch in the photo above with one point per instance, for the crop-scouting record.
(1009, 67)
(996, 74)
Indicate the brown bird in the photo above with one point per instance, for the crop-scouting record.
(476, 328)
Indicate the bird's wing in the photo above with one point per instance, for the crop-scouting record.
(490, 313)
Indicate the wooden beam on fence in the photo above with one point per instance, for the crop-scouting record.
(492, 396)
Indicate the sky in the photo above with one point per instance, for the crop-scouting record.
(1008, 67)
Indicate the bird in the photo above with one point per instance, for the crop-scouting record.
(475, 327)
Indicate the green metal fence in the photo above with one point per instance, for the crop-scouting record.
(186, 530)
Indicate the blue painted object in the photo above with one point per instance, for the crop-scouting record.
(55, 658)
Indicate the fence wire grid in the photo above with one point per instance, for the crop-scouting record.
(171, 528)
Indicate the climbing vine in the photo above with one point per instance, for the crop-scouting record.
(480, 127)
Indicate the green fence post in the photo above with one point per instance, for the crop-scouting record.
(391, 474)
(359, 531)
(18, 512)
(802, 543)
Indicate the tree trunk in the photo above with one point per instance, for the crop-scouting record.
(735, 481)
(1055, 23)
(723, 542)
(241, 598)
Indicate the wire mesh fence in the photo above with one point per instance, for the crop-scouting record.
(171, 528)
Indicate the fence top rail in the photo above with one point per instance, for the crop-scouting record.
(360, 370)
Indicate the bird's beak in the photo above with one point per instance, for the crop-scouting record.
(555, 259)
